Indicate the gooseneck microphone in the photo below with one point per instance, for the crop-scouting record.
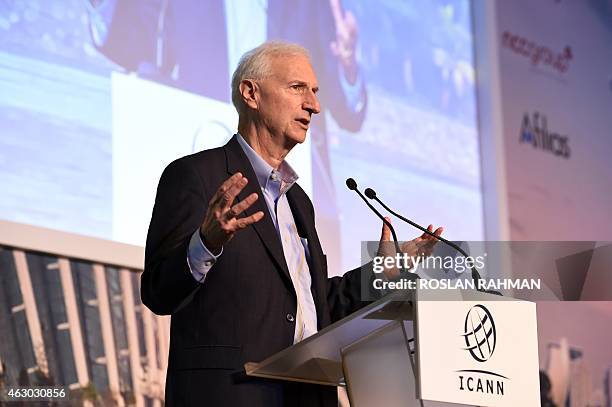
(370, 193)
(352, 185)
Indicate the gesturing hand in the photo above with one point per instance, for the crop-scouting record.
(221, 221)
(419, 246)
(422, 245)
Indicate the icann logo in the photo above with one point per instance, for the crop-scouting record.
(479, 333)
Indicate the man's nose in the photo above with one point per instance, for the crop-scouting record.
(311, 103)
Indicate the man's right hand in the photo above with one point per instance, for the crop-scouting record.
(221, 221)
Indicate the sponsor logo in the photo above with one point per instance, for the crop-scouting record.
(538, 54)
(480, 336)
(479, 333)
(534, 131)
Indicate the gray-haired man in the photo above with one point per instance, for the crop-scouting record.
(232, 251)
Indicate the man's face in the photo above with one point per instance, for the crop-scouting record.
(287, 98)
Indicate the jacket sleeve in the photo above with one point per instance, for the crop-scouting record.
(350, 292)
(180, 205)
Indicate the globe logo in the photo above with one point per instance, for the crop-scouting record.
(479, 333)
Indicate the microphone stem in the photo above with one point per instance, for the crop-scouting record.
(385, 221)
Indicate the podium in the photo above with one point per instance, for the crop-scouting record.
(422, 348)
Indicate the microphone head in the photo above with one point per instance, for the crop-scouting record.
(370, 193)
(351, 184)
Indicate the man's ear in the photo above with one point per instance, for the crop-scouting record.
(248, 91)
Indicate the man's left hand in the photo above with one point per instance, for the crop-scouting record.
(419, 246)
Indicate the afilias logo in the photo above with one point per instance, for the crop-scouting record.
(534, 130)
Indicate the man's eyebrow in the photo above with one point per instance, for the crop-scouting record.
(315, 89)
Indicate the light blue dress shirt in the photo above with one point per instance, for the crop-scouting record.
(274, 186)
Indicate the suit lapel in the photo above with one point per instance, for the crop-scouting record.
(237, 161)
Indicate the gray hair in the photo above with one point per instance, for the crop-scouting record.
(255, 64)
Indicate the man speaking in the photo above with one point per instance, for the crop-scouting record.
(232, 252)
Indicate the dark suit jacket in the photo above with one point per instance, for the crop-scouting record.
(241, 312)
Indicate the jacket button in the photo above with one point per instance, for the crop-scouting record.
(290, 318)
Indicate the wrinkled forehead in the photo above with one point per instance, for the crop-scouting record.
(296, 67)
